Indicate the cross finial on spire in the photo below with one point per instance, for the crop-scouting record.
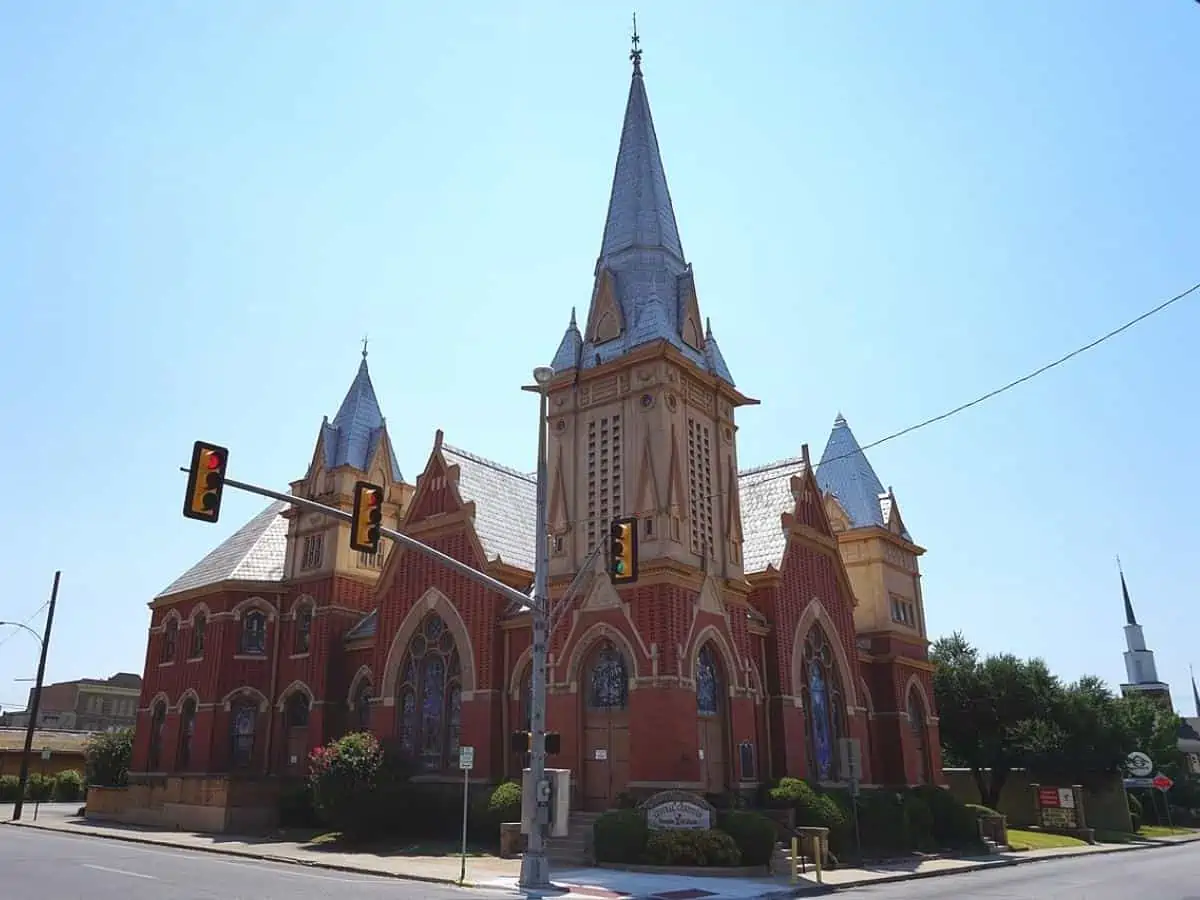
(635, 52)
(364, 350)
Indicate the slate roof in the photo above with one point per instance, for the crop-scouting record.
(252, 553)
(642, 250)
(365, 628)
(766, 494)
(845, 472)
(505, 506)
(353, 436)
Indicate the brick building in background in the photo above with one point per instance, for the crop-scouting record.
(778, 608)
(87, 704)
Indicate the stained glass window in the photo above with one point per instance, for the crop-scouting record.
(158, 724)
(916, 721)
(708, 692)
(187, 730)
(198, 627)
(608, 682)
(824, 706)
(170, 637)
(242, 724)
(254, 632)
(296, 711)
(304, 620)
(429, 696)
(362, 706)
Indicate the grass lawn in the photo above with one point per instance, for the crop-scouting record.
(1156, 831)
(1019, 839)
(332, 840)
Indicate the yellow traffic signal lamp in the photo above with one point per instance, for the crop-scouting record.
(623, 555)
(367, 516)
(206, 482)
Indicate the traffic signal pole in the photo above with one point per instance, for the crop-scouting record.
(412, 543)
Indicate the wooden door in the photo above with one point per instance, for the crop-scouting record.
(606, 758)
(605, 731)
(296, 762)
(713, 764)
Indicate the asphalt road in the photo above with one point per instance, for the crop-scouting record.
(1171, 873)
(43, 865)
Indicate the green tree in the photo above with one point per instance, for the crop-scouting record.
(989, 709)
(108, 756)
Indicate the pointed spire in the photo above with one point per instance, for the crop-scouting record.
(1195, 692)
(567, 354)
(354, 434)
(845, 472)
(712, 353)
(640, 213)
(1130, 619)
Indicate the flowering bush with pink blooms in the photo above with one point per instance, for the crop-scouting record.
(343, 775)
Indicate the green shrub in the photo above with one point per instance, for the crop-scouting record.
(68, 786)
(343, 776)
(953, 825)
(296, 806)
(490, 809)
(40, 788)
(754, 835)
(9, 788)
(1135, 813)
(109, 754)
(620, 836)
(691, 848)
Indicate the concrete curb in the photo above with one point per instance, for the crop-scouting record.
(246, 854)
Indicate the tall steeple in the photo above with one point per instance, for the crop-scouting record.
(1140, 667)
(644, 289)
(1195, 692)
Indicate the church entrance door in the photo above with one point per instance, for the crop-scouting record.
(605, 729)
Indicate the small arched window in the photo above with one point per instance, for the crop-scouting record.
(170, 640)
(254, 632)
(187, 730)
(158, 725)
(304, 620)
(916, 722)
(362, 706)
(199, 623)
(243, 718)
(608, 682)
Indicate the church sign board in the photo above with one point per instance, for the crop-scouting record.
(678, 810)
(1056, 808)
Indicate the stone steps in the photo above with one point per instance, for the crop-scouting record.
(576, 848)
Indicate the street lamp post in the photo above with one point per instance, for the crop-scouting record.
(535, 868)
(44, 640)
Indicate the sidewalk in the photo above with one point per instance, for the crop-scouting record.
(582, 884)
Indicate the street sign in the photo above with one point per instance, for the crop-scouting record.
(45, 755)
(466, 758)
(1138, 764)
(1138, 782)
(1162, 782)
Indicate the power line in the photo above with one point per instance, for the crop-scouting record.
(4, 640)
(993, 393)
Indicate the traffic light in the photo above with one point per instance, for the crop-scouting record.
(623, 557)
(368, 513)
(522, 742)
(206, 481)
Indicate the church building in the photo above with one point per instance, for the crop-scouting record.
(778, 608)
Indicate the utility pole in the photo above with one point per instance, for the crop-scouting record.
(535, 868)
(37, 702)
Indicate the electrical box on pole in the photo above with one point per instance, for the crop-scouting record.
(623, 555)
(366, 518)
(206, 482)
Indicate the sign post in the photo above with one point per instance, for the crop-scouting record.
(37, 804)
(466, 761)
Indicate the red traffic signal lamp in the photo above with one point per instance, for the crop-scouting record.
(206, 482)
(367, 516)
(623, 554)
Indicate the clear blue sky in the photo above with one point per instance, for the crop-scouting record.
(891, 208)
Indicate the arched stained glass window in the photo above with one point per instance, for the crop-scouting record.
(295, 712)
(824, 706)
(429, 696)
(244, 714)
(608, 681)
(916, 721)
(708, 682)
(158, 725)
(362, 706)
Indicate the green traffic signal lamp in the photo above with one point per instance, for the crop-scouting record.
(623, 554)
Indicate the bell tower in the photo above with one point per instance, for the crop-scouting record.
(641, 408)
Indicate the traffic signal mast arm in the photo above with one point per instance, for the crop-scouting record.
(412, 543)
